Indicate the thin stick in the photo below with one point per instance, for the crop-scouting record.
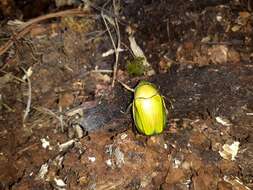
(115, 67)
(101, 71)
(69, 12)
(50, 112)
(13, 76)
(118, 45)
(13, 38)
(26, 27)
(109, 32)
(116, 49)
(29, 100)
(61, 119)
(126, 86)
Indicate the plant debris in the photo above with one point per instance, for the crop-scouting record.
(64, 120)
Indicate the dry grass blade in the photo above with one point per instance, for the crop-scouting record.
(126, 86)
(117, 48)
(51, 113)
(29, 100)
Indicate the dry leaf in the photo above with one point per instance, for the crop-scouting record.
(229, 152)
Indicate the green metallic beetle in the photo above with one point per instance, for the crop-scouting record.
(149, 111)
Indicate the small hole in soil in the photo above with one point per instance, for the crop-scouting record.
(112, 137)
(111, 130)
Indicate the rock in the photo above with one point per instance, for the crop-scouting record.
(156, 141)
(223, 185)
(236, 183)
(208, 177)
(198, 183)
(218, 54)
(199, 140)
(228, 167)
(66, 100)
(175, 175)
(194, 161)
(234, 56)
(165, 64)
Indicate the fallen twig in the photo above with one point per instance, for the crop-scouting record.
(61, 119)
(101, 71)
(50, 112)
(115, 67)
(126, 86)
(29, 100)
(70, 12)
(26, 27)
(116, 48)
(13, 38)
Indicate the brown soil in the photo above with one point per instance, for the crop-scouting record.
(76, 134)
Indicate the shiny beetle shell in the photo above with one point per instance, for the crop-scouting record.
(149, 111)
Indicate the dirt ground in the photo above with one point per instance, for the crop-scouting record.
(64, 126)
